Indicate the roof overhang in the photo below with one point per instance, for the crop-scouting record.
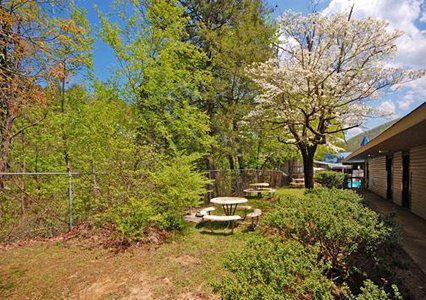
(333, 165)
(408, 132)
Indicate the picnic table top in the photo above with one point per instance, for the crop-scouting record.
(228, 200)
(259, 184)
(259, 190)
(221, 218)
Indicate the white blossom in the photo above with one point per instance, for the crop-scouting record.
(328, 70)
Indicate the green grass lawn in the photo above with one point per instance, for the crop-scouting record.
(181, 268)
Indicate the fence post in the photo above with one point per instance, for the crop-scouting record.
(70, 198)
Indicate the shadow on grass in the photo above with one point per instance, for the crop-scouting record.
(205, 225)
(223, 228)
(216, 233)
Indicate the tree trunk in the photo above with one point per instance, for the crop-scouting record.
(240, 162)
(5, 146)
(64, 135)
(231, 162)
(208, 160)
(23, 170)
(308, 166)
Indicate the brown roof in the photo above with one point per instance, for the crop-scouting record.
(408, 132)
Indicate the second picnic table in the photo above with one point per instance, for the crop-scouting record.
(229, 204)
(260, 185)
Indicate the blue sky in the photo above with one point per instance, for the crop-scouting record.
(408, 15)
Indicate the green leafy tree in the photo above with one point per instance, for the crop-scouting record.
(162, 73)
(72, 53)
(233, 34)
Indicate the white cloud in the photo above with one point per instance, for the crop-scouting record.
(419, 86)
(388, 108)
(423, 17)
(406, 101)
(401, 15)
(353, 132)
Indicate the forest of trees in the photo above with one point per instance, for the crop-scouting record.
(174, 106)
(196, 86)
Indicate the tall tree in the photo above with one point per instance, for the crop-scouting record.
(162, 73)
(71, 53)
(23, 36)
(233, 34)
(329, 69)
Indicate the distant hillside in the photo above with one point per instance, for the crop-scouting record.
(354, 142)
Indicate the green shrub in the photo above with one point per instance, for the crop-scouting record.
(176, 187)
(330, 179)
(132, 218)
(267, 269)
(336, 220)
(156, 198)
(370, 291)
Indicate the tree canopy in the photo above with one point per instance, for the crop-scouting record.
(328, 70)
(198, 85)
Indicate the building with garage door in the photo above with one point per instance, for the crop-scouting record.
(396, 162)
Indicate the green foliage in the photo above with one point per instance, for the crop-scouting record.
(234, 35)
(330, 179)
(132, 218)
(157, 198)
(320, 233)
(370, 291)
(162, 73)
(176, 187)
(336, 220)
(129, 185)
(267, 269)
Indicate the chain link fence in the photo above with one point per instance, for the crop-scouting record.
(47, 204)
(233, 182)
(38, 204)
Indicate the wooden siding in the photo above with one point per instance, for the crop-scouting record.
(377, 179)
(418, 180)
(397, 178)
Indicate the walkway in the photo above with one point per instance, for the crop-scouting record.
(413, 227)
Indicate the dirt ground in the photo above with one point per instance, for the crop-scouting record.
(179, 269)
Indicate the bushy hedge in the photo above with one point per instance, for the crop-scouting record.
(330, 179)
(270, 269)
(315, 242)
(157, 198)
(370, 291)
(335, 219)
(273, 269)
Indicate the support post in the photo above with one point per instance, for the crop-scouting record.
(70, 199)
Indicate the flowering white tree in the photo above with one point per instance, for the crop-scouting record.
(328, 69)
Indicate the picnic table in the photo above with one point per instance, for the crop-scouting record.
(229, 204)
(259, 184)
(259, 188)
